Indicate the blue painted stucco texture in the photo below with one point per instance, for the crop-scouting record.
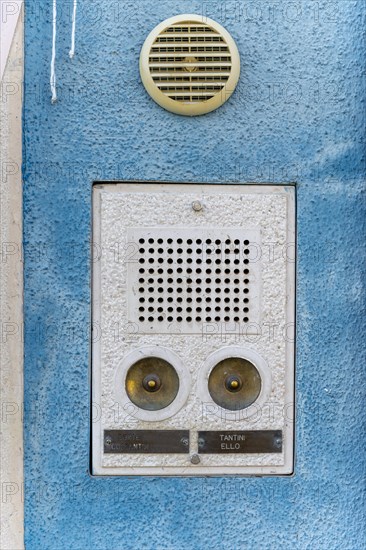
(297, 115)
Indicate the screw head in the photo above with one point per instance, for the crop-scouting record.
(197, 206)
(195, 459)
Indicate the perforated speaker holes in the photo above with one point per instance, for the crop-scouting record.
(190, 281)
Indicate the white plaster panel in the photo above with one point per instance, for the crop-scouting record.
(265, 211)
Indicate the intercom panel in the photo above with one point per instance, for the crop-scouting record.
(193, 329)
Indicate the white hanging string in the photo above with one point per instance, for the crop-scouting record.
(72, 51)
(53, 58)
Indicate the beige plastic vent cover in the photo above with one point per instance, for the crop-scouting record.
(189, 64)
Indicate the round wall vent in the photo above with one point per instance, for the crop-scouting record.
(189, 65)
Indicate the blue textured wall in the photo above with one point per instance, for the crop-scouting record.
(298, 115)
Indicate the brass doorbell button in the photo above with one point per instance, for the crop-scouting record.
(152, 383)
(234, 383)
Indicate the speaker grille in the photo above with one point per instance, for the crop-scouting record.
(181, 279)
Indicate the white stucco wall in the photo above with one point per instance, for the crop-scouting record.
(11, 284)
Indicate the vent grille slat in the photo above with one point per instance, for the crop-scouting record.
(191, 35)
(181, 65)
(188, 94)
(191, 26)
(179, 57)
(178, 75)
(194, 48)
(192, 55)
(180, 85)
(196, 85)
(193, 39)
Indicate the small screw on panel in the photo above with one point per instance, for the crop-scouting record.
(195, 459)
(197, 206)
